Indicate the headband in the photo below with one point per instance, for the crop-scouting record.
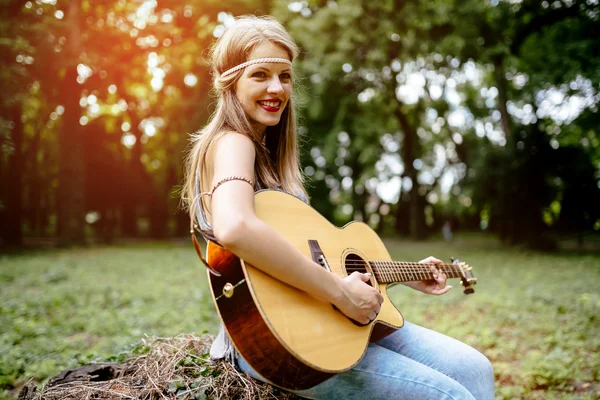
(257, 61)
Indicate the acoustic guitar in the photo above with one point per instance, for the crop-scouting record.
(290, 338)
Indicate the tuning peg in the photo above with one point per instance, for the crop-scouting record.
(455, 260)
(467, 280)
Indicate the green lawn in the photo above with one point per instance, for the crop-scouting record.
(536, 316)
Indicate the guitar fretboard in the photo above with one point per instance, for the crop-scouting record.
(395, 271)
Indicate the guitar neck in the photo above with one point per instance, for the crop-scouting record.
(396, 271)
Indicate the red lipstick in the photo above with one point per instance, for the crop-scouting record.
(270, 108)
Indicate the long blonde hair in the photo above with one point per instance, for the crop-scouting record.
(277, 162)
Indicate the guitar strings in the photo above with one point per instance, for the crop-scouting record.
(412, 273)
(395, 270)
(421, 273)
(405, 270)
(358, 267)
(408, 271)
(407, 276)
(402, 263)
(395, 263)
(390, 265)
(411, 263)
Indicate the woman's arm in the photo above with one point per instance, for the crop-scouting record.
(238, 228)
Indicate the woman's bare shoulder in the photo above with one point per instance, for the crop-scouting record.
(235, 141)
(234, 154)
(229, 145)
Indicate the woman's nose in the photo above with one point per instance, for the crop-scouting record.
(275, 86)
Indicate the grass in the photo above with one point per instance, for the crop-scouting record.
(536, 316)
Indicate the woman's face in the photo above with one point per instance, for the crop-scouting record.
(264, 89)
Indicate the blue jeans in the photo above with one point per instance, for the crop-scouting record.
(414, 363)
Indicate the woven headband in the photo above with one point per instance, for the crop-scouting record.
(257, 61)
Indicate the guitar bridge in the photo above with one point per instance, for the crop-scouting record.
(317, 254)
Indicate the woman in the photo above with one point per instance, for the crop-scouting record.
(250, 143)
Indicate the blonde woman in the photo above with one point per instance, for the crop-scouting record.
(249, 144)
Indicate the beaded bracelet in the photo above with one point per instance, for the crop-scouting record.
(222, 181)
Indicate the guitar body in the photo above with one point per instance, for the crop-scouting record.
(290, 338)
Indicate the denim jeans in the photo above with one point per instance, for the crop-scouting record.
(414, 363)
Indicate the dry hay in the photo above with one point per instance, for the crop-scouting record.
(172, 368)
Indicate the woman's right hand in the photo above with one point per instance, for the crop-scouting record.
(358, 300)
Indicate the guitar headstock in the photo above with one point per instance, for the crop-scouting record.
(467, 279)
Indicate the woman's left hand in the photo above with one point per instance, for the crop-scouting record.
(436, 286)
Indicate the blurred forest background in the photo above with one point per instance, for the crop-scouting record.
(477, 115)
(480, 114)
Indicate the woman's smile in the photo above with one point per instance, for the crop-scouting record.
(270, 105)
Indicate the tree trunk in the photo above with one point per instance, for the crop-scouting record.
(402, 216)
(135, 172)
(45, 210)
(159, 216)
(359, 201)
(410, 148)
(70, 196)
(33, 182)
(182, 223)
(502, 96)
(505, 224)
(12, 227)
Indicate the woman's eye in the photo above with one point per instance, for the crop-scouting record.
(285, 76)
(259, 75)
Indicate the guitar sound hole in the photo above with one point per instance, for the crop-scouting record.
(352, 263)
